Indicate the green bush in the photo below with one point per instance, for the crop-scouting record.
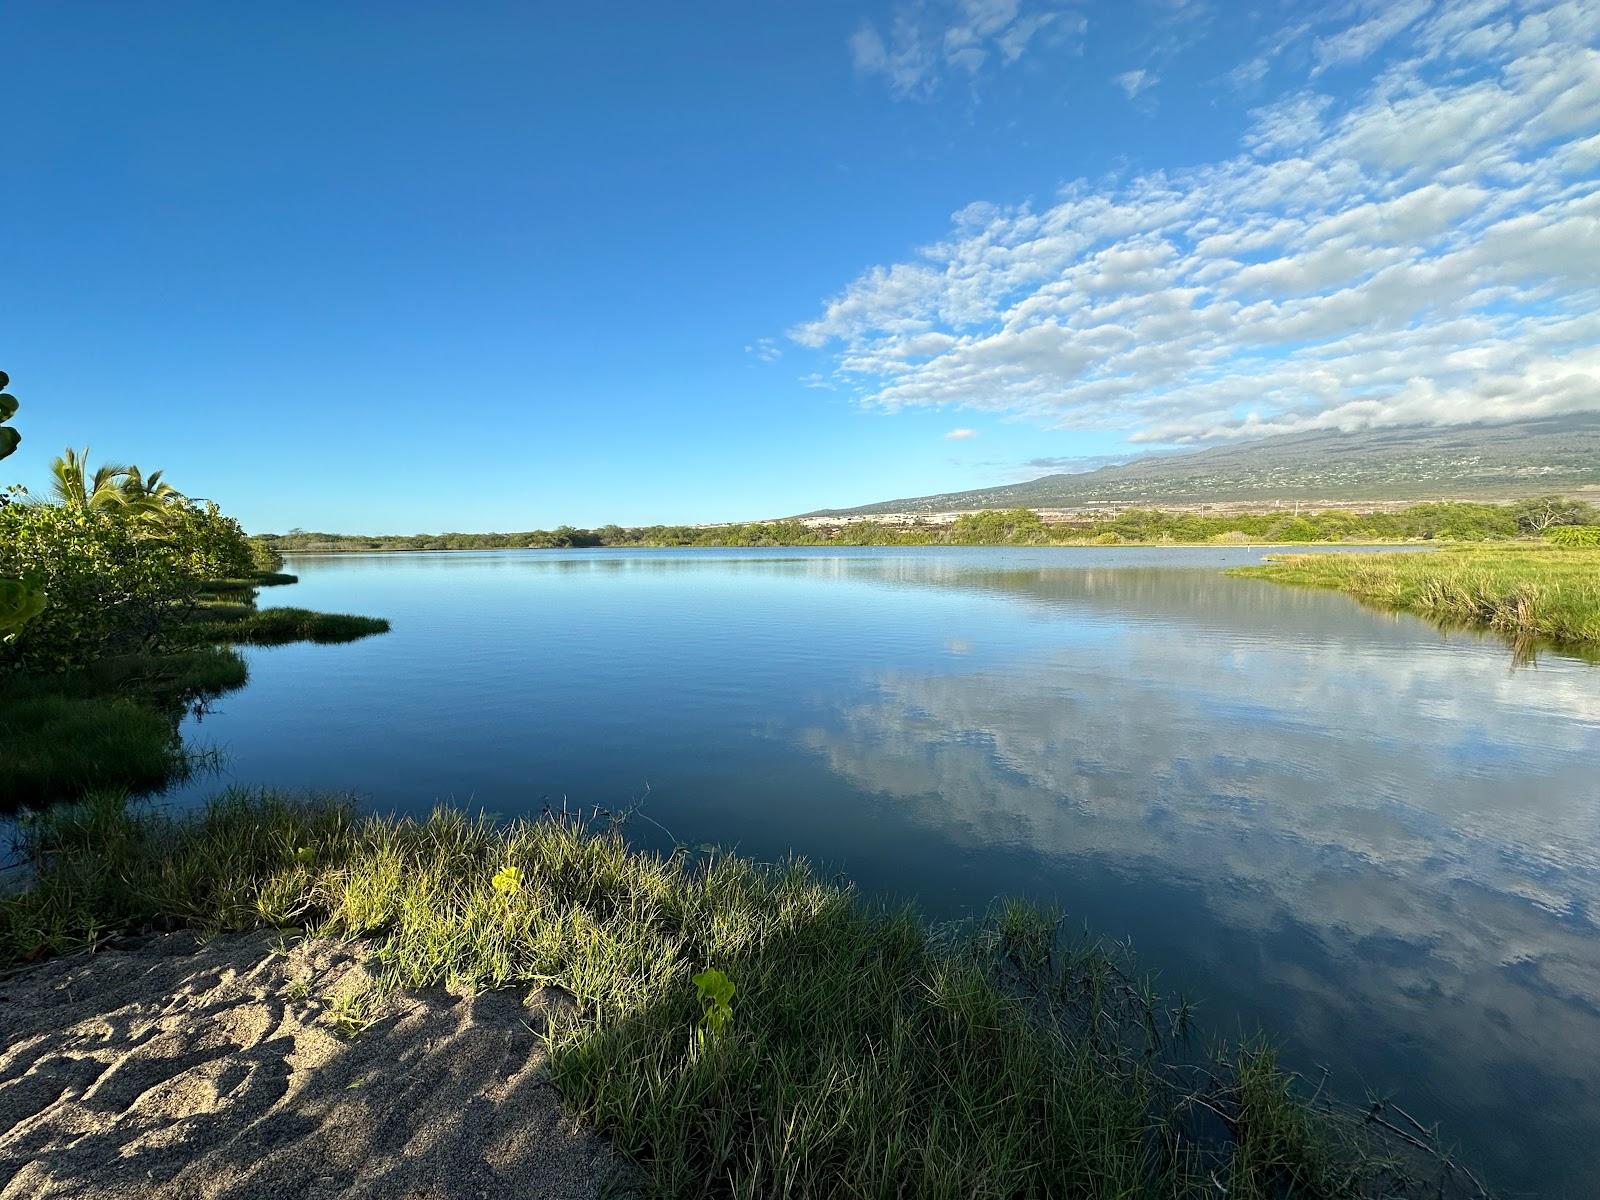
(1575, 535)
(109, 586)
(264, 559)
(208, 544)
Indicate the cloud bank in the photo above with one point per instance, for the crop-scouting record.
(1426, 251)
(930, 40)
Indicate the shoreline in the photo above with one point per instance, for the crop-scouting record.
(1312, 547)
(862, 1050)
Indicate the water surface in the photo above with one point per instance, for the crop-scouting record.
(1376, 840)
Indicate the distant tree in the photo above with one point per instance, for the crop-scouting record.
(1535, 516)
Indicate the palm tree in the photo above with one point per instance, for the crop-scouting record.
(154, 489)
(76, 489)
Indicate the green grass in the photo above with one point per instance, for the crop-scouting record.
(64, 745)
(229, 587)
(1525, 591)
(867, 1054)
(114, 724)
(278, 626)
(110, 725)
(179, 677)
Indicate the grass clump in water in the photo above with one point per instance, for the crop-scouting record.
(1526, 591)
(279, 626)
(861, 1052)
(113, 722)
(248, 585)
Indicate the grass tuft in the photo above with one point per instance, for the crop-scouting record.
(113, 724)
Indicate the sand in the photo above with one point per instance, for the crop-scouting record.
(167, 1068)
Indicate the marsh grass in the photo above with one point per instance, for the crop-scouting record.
(66, 745)
(240, 624)
(232, 587)
(113, 724)
(1524, 591)
(865, 1054)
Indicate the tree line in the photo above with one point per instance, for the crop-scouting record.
(1445, 521)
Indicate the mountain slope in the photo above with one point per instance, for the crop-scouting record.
(1412, 463)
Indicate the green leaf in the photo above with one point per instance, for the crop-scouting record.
(713, 985)
(507, 880)
(21, 600)
(716, 997)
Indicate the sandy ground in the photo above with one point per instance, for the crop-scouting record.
(167, 1069)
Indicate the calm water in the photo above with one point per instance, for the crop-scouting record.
(1379, 842)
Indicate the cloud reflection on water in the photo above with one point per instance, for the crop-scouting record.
(1407, 829)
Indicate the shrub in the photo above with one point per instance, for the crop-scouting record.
(263, 558)
(1574, 535)
(109, 587)
(208, 544)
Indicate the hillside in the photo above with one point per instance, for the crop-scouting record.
(1414, 463)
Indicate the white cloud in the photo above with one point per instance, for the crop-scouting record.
(960, 435)
(1428, 250)
(1362, 39)
(929, 39)
(1135, 82)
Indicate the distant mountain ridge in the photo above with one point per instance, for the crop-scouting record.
(1408, 463)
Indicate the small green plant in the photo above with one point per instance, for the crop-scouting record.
(299, 991)
(348, 1013)
(507, 881)
(716, 1000)
(305, 856)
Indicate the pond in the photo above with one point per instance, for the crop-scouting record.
(1377, 841)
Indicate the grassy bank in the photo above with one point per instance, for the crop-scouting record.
(113, 724)
(1525, 591)
(862, 1053)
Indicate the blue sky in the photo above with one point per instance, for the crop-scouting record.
(408, 267)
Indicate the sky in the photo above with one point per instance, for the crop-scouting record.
(408, 267)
